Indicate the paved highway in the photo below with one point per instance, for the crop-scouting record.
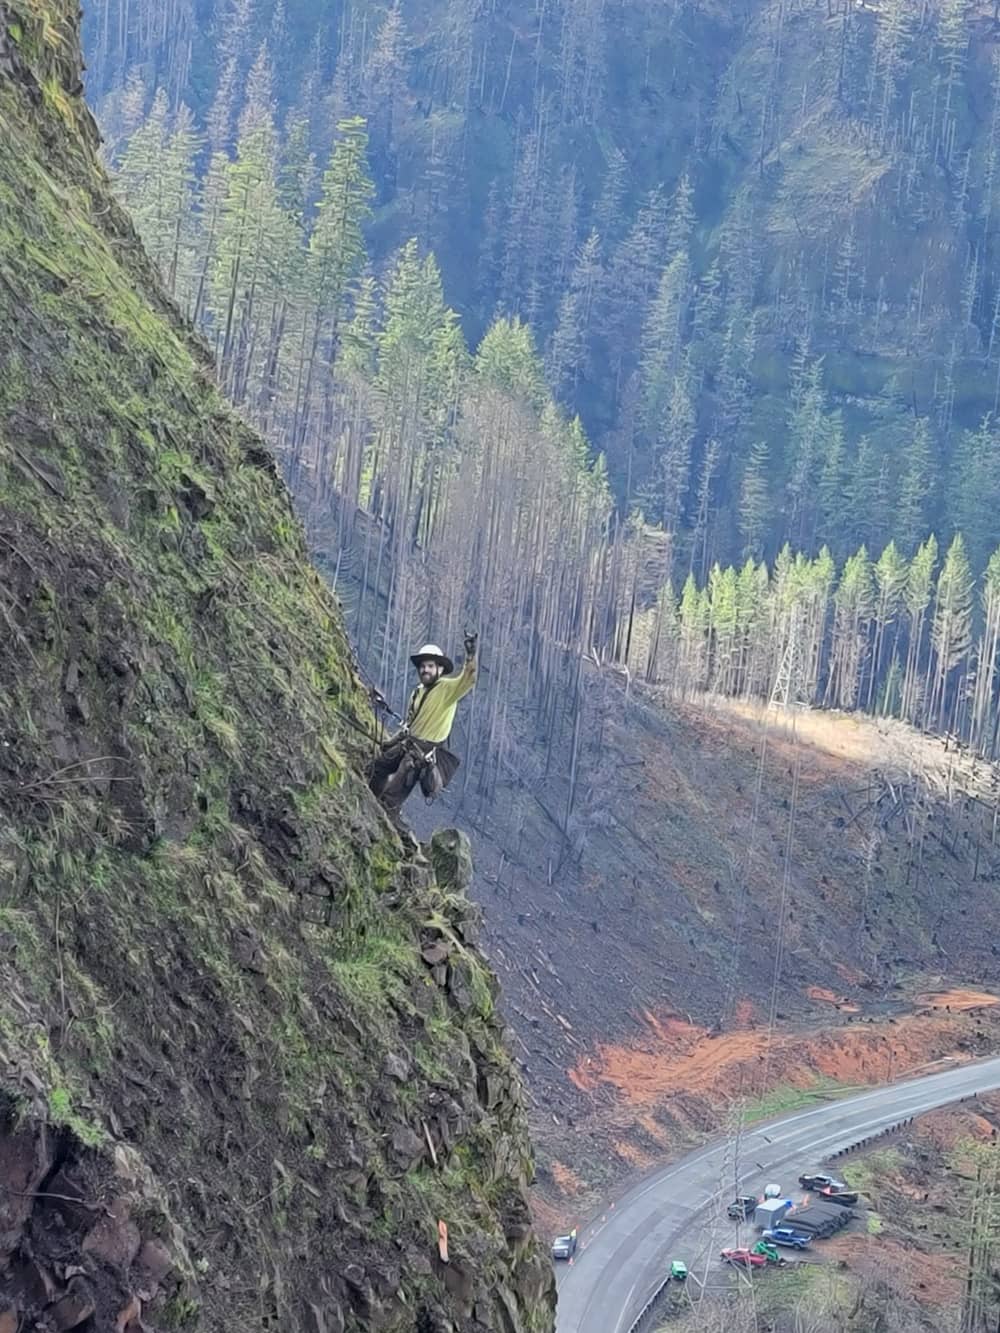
(679, 1211)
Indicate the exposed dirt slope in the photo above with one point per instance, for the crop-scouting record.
(249, 1057)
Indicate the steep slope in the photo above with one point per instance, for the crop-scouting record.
(249, 1057)
(746, 912)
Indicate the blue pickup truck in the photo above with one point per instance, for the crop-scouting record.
(786, 1236)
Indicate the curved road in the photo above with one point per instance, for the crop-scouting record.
(622, 1259)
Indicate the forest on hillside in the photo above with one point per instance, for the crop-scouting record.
(690, 306)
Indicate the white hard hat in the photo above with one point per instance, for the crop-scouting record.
(436, 654)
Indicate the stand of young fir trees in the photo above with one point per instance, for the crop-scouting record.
(917, 638)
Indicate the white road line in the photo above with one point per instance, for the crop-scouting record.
(626, 1304)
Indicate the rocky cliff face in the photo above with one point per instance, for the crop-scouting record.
(249, 1057)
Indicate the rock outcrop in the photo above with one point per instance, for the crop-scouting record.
(249, 1053)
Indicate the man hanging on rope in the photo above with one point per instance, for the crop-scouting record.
(416, 753)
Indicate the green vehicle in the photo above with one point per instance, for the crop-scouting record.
(768, 1251)
(678, 1270)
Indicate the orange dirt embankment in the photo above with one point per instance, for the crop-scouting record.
(824, 996)
(679, 1058)
(957, 1000)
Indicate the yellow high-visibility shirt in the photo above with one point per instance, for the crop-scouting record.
(436, 714)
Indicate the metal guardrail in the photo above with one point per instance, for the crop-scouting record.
(643, 1322)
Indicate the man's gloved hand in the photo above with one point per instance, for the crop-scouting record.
(379, 701)
(471, 642)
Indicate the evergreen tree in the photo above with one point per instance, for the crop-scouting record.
(819, 579)
(891, 572)
(953, 39)
(676, 436)
(919, 587)
(336, 254)
(913, 510)
(253, 250)
(752, 587)
(359, 337)
(130, 115)
(563, 249)
(984, 722)
(385, 83)
(693, 621)
(975, 490)
(832, 490)
(336, 246)
(663, 340)
(663, 644)
(297, 171)
(523, 235)
(895, 21)
(258, 96)
(141, 177)
(212, 203)
(734, 374)
(951, 630)
(868, 490)
(806, 430)
(609, 212)
(180, 259)
(724, 628)
(420, 356)
(682, 219)
(507, 360)
(754, 502)
(568, 354)
(702, 530)
(706, 342)
(635, 272)
(854, 603)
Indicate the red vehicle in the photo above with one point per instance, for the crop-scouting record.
(744, 1259)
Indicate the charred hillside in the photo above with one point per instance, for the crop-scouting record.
(249, 1057)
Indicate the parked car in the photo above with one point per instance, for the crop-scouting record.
(678, 1270)
(765, 1248)
(847, 1198)
(822, 1183)
(744, 1259)
(742, 1208)
(797, 1240)
(564, 1247)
